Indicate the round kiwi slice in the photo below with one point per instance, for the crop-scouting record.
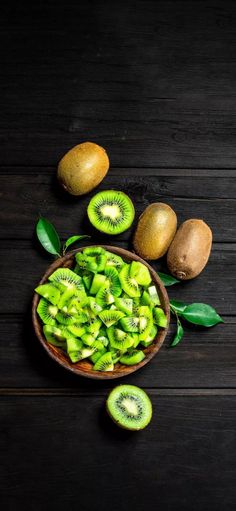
(129, 407)
(111, 211)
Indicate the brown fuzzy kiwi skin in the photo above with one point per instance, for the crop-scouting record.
(190, 249)
(82, 168)
(155, 231)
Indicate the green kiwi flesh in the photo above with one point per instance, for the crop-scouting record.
(129, 407)
(111, 211)
(108, 313)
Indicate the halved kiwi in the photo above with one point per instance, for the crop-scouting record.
(129, 407)
(111, 211)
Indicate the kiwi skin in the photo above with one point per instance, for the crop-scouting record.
(155, 231)
(190, 249)
(82, 168)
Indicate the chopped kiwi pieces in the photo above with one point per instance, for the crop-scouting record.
(107, 310)
(49, 292)
(129, 407)
(111, 211)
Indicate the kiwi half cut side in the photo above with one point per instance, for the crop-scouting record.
(129, 407)
(111, 211)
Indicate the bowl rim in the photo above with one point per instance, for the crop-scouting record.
(79, 368)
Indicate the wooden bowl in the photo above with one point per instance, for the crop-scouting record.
(84, 367)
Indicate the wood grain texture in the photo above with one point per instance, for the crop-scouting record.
(184, 460)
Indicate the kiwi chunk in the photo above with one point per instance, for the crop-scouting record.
(65, 319)
(49, 292)
(150, 337)
(119, 340)
(66, 278)
(145, 322)
(140, 273)
(112, 276)
(154, 295)
(159, 317)
(132, 358)
(104, 363)
(98, 281)
(130, 324)
(125, 305)
(114, 261)
(54, 336)
(93, 251)
(111, 211)
(129, 407)
(129, 285)
(104, 296)
(47, 312)
(110, 317)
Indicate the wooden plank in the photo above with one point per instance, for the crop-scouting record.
(184, 460)
(163, 95)
(204, 359)
(23, 267)
(24, 197)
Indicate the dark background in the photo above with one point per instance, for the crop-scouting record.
(154, 82)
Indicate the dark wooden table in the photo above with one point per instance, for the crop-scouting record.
(154, 82)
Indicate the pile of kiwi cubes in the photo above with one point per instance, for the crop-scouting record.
(104, 309)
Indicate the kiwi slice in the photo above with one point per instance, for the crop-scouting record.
(49, 292)
(55, 336)
(129, 285)
(154, 295)
(136, 339)
(66, 278)
(47, 312)
(140, 273)
(146, 299)
(114, 261)
(77, 351)
(129, 407)
(150, 338)
(65, 319)
(145, 322)
(118, 339)
(110, 317)
(93, 251)
(93, 305)
(94, 327)
(104, 296)
(95, 356)
(88, 339)
(125, 305)
(98, 281)
(130, 324)
(104, 363)
(132, 358)
(111, 211)
(77, 329)
(159, 317)
(113, 277)
(87, 279)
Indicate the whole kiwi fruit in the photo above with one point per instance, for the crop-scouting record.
(155, 230)
(190, 249)
(82, 168)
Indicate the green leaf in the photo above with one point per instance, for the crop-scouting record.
(178, 306)
(167, 280)
(48, 237)
(72, 240)
(179, 334)
(201, 314)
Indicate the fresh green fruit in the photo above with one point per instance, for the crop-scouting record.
(114, 260)
(136, 339)
(159, 317)
(111, 211)
(88, 339)
(150, 338)
(110, 317)
(129, 407)
(65, 319)
(112, 276)
(77, 351)
(47, 312)
(104, 363)
(154, 295)
(82, 168)
(93, 251)
(73, 344)
(98, 281)
(104, 296)
(132, 358)
(103, 339)
(146, 299)
(140, 273)
(125, 305)
(49, 292)
(95, 356)
(130, 324)
(55, 336)
(129, 285)
(87, 279)
(77, 329)
(65, 278)
(95, 308)
(119, 340)
(145, 322)
(94, 327)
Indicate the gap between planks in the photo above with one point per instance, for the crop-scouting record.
(71, 392)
